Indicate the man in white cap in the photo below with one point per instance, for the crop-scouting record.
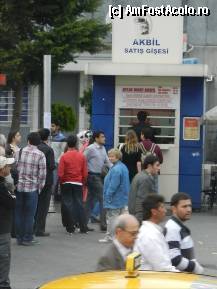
(7, 205)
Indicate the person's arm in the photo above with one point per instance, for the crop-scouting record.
(107, 161)
(61, 168)
(88, 153)
(139, 163)
(144, 188)
(42, 172)
(51, 160)
(104, 264)
(154, 254)
(173, 239)
(7, 199)
(115, 180)
(16, 156)
(84, 171)
(159, 154)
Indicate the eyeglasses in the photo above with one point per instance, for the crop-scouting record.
(132, 233)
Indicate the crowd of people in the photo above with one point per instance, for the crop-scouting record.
(119, 188)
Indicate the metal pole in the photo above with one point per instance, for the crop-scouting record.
(47, 91)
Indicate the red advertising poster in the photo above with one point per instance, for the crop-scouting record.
(191, 128)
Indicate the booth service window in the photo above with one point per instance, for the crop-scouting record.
(163, 122)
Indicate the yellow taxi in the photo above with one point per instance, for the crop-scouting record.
(133, 279)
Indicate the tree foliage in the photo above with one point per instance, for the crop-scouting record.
(30, 29)
(65, 114)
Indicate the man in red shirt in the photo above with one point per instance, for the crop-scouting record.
(72, 172)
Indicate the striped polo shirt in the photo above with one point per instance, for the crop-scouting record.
(181, 245)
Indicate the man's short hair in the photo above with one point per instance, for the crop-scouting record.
(97, 133)
(56, 122)
(116, 152)
(44, 134)
(179, 197)
(142, 115)
(72, 141)
(151, 201)
(147, 132)
(149, 160)
(34, 138)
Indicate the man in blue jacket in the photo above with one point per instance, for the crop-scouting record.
(115, 191)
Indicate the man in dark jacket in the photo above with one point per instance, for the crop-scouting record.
(142, 185)
(45, 196)
(126, 229)
(141, 124)
(7, 205)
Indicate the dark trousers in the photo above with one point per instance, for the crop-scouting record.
(72, 207)
(5, 259)
(43, 208)
(95, 193)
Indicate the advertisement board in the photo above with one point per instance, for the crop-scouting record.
(148, 97)
(191, 128)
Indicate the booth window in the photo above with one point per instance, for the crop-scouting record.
(162, 120)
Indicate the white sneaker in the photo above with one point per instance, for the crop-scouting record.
(106, 239)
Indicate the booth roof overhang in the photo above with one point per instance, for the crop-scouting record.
(140, 69)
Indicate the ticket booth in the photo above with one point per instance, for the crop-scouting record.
(171, 92)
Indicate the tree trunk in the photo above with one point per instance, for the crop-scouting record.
(16, 118)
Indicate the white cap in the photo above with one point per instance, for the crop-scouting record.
(6, 161)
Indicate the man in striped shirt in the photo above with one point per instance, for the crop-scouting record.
(31, 165)
(178, 236)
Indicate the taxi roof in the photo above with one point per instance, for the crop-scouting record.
(145, 280)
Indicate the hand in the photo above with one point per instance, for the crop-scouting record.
(198, 268)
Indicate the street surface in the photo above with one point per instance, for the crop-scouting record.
(61, 255)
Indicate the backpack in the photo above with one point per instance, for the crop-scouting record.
(146, 152)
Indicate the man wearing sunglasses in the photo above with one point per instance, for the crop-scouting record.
(126, 228)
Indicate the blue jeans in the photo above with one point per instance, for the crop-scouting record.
(26, 205)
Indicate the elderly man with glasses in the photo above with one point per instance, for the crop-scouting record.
(126, 229)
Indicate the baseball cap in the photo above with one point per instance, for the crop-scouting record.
(6, 161)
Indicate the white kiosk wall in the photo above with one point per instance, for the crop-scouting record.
(170, 90)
